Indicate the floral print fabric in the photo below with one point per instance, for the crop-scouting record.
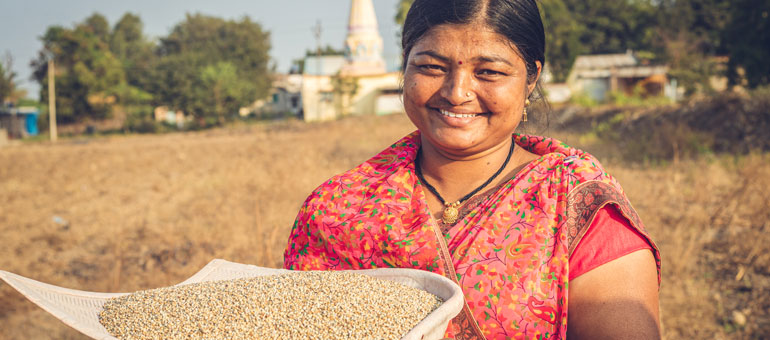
(510, 252)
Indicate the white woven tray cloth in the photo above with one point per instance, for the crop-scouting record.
(80, 309)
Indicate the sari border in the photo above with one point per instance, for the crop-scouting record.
(467, 326)
(586, 199)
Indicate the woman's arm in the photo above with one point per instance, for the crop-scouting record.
(617, 300)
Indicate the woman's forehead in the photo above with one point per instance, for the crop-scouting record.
(466, 40)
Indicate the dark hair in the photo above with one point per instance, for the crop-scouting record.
(518, 20)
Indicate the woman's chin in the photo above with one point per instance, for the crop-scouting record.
(456, 142)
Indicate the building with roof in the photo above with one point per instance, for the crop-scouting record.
(358, 82)
(17, 123)
(597, 75)
(284, 98)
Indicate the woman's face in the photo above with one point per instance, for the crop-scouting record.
(464, 88)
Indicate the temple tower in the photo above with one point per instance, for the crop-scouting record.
(363, 45)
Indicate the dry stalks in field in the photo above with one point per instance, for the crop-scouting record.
(710, 219)
(140, 212)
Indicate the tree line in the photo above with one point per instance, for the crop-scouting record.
(688, 35)
(209, 67)
(206, 67)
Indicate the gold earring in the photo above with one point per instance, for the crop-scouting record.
(526, 103)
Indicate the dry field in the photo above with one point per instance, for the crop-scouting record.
(126, 213)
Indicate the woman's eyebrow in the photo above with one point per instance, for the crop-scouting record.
(434, 55)
(491, 59)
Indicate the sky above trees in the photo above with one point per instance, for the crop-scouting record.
(289, 23)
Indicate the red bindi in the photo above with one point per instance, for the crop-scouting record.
(460, 62)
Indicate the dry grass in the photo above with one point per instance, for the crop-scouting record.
(138, 212)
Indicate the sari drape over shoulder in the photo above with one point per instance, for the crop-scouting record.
(509, 252)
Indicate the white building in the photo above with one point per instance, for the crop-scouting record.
(356, 84)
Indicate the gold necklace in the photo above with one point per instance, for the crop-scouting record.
(451, 209)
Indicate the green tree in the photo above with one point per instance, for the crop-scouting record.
(7, 81)
(227, 89)
(562, 42)
(129, 44)
(748, 42)
(182, 80)
(690, 34)
(88, 76)
(401, 9)
(614, 26)
(97, 25)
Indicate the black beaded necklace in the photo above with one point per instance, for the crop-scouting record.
(451, 212)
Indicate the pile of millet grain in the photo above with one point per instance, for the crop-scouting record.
(300, 305)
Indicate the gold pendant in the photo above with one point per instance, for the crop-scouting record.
(451, 213)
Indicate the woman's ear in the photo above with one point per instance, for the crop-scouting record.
(533, 83)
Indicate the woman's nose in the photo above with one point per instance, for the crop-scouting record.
(457, 87)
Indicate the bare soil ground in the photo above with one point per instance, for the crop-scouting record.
(126, 213)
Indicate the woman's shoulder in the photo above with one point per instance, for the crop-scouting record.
(571, 164)
(389, 166)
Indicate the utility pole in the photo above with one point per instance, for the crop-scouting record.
(51, 102)
(317, 34)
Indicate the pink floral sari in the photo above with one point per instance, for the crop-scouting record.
(509, 251)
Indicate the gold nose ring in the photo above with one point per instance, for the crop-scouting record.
(468, 94)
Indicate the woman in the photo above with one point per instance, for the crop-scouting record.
(542, 241)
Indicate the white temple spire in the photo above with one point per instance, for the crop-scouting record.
(363, 45)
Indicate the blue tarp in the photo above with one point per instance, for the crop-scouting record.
(31, 124)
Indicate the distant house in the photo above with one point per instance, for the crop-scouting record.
(16, 123)
(285, 96)
(598, 75)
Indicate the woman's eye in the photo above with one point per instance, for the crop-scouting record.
(490, 73)
(431, 68)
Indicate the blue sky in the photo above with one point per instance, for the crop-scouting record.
(289, 21)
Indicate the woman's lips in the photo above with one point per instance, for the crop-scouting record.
(457, 115)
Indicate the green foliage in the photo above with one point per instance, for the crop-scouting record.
(209, 67)
(206, 66)
(401, 10)
(746, 38)
(614, 26)
(675, 132)
(140, 120)
(228, 91)
(690, 35)
(28, 102)
(327, 50)
(128, 44)
(563, 32)
(87, 73)
(98, 26)
(582, 99)
(637, 98)
(7, 84)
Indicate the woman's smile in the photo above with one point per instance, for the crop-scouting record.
(458, 118)
(458, 115)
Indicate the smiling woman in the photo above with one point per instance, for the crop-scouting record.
(540, 238)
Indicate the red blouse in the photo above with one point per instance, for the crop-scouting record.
(610, 236)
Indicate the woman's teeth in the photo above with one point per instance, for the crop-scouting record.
(456, 115)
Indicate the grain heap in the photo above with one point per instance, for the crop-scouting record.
(301, 305)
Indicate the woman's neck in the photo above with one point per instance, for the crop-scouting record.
(454, 176)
